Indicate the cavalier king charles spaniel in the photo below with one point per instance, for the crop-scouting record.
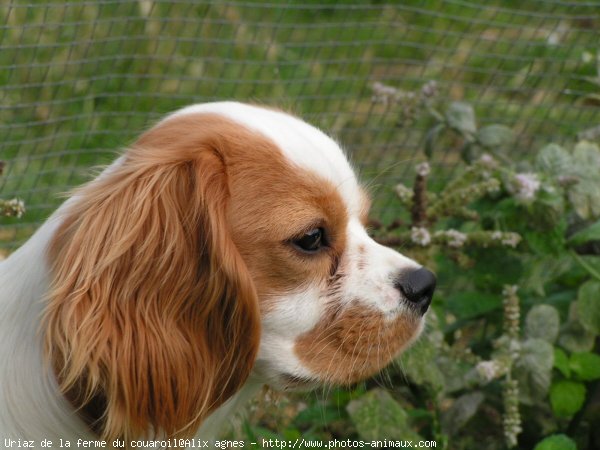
(226, 249)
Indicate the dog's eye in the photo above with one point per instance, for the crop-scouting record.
(311, 241)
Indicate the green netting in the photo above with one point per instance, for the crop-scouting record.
(80, 79)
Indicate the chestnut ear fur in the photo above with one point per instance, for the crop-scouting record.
(152, 320)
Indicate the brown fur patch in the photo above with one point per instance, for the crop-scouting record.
(348, 346)
(153, 317)
(270, 202)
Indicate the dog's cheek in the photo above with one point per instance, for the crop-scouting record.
(347, 347)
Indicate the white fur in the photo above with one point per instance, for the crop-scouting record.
(373, 285)
(292, 316)
(31, 406)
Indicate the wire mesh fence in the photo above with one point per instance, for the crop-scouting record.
(80, 79)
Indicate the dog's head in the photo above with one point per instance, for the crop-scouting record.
(228, 238)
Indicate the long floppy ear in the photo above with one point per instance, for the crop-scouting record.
(152, 320)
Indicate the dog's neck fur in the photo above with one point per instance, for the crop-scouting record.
(31, 405)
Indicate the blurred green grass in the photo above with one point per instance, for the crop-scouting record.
(80, 79)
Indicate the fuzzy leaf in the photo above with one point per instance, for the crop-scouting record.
(457, 375)
(561, 362)
(377, 415)
(556, 442)
(460, 412)
(575, 338)
(587, 153)
(588, 306)
(573, 335)
(461, 117)
(567, 397)
(554, 160)
(494, 136)
(533, 369)
(542, 322)
(419, 363)
(585, 194)
(585, 197)
(585, 365)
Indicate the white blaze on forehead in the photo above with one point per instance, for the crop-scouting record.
(303, 144)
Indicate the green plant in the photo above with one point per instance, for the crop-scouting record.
(530, 228)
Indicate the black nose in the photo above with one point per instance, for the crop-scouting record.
(417, 287)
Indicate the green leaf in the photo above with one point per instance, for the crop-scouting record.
(585, 365)
(538, 271)
(419, 364)
(547, 242)
(585, 197)
(340, 397)
(588, 305)
(461, 117)
(458, 375)
(561, 362)
(533, 369)
(495, 267)
(591, 233)
(566, 397)
(575, 338)
(590, 263)
(493, 136)
(291, 434)
(460, 412)
(377, 415)
(585, 194)
(587, 153)
(466, 305)
(318, 414)
(556, 442)
(554, 160)
(548, 210)
(542, 322)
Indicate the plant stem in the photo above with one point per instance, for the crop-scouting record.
(419, 208)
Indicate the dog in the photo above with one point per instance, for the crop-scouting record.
(224, 250)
